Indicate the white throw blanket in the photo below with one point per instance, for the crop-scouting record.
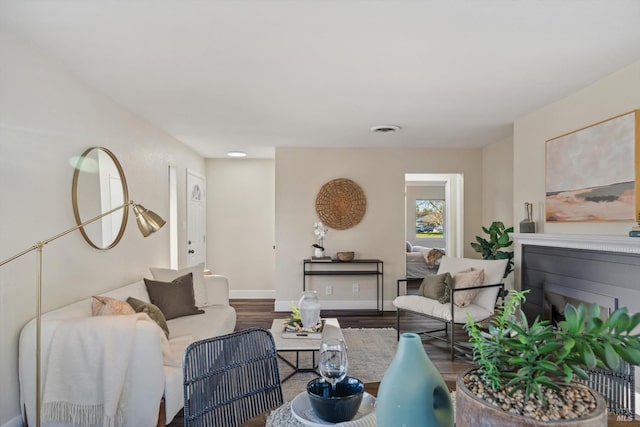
(87, 369)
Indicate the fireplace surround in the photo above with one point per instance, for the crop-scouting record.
(593, 269)
(605, 269)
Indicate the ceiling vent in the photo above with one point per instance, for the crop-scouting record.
(385, 128)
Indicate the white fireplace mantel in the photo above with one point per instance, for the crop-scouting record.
(580, 241)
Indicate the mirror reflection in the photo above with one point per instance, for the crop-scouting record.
(99, 185)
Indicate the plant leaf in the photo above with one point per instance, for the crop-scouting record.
(635, 321)
(580, 372)
(588, 358)
(631, 355)
(611, 357)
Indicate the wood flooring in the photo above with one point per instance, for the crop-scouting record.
(259, 313)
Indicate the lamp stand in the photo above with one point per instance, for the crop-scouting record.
(148, 222)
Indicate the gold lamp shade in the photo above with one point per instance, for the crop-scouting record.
(148, 221)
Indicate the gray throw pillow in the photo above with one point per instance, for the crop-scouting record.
(434, 287)
(152, 310)
(174, 299)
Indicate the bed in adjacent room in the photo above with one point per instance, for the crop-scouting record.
(422, 261)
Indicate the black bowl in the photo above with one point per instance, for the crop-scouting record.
(339, 406)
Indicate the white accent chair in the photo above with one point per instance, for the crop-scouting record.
(482, 306)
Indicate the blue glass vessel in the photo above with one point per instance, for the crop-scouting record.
(412, 392)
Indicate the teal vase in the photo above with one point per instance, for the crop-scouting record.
(412, 392)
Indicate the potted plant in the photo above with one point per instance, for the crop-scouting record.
(524, 371)
(319, 230)
(493, 248)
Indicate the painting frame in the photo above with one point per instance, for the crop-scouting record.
(592, 174)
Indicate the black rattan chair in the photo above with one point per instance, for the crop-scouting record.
(230, 379)
(617, 387)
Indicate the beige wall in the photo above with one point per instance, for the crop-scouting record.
(46, 117)
(381, 234)
(240, 225)
(616, 94)
(497, 188)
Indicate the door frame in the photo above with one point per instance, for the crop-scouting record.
(454, 207)
(196, 175)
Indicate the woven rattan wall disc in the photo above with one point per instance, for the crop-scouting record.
(341, 204)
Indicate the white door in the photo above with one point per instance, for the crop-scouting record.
(196, 230)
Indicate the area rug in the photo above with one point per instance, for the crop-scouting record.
(370, 352)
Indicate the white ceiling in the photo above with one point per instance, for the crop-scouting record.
(252, 75)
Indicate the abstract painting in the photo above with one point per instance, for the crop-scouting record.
(591, 173)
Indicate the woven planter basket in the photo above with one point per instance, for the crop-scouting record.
(341, 204)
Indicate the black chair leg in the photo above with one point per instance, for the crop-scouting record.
(452, 337)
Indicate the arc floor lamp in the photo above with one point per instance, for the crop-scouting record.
(148, 223)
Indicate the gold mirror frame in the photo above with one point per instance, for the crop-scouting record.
(80, 167)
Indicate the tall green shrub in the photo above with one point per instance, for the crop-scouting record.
(493, 248)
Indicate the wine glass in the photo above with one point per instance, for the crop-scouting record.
(333, 363)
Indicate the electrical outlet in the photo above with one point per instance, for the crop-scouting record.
(356, 287)
(328, 290)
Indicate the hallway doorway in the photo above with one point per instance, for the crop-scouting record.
(425, 193)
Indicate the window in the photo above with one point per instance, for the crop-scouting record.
(429, 218)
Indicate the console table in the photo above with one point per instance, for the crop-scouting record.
(338, 268)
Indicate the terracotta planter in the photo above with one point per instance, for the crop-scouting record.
(472, 411)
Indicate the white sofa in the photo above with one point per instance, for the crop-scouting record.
(148, 379)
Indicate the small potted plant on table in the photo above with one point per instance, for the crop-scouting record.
(525, 371)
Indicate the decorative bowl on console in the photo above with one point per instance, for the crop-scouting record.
(345, 256)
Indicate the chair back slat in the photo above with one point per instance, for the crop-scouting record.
(617, 387)
(230, 379)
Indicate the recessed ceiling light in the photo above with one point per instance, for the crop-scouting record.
(237, 154)
(385, 128)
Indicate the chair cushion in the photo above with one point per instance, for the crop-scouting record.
(466, 279)
(434, 286)
(493, 273)
(431, 307)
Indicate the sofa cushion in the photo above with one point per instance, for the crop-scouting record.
(467, 279)
(199, 290)
(434, 286)
(216, 320)
(105, 306)
(152, 311)
(175, 299)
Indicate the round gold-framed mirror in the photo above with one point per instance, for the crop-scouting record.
(99, 185)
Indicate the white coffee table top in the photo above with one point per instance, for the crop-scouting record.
(331, 329)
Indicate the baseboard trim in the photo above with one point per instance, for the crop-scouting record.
(14, 422)
(249, 294)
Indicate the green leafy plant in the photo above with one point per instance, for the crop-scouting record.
(493, 248)
(522, 356)
(294, 318)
